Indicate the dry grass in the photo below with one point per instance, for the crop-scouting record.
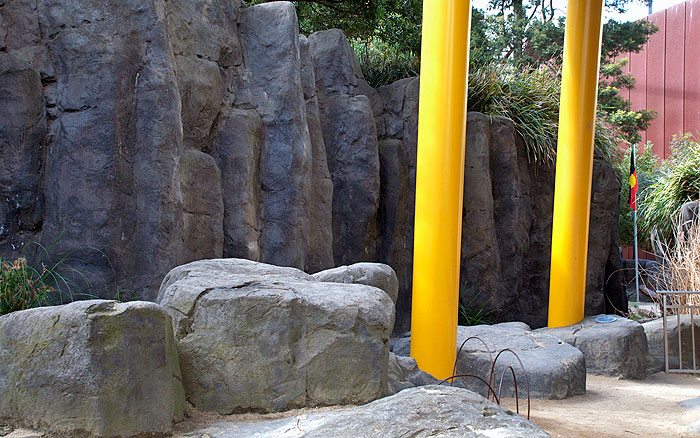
(680, 266)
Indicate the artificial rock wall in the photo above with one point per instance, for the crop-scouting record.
(137, 136)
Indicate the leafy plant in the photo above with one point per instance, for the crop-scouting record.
(678, 182)
(23, 286)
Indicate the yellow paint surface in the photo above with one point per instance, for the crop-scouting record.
(572, 193)
(439, 184)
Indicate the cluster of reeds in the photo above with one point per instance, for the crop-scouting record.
(680, 265)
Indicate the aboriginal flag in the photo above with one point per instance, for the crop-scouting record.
(634, 186)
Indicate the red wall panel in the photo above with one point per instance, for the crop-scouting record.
(691, 114)
(638, 95)
(674, 60)
(656, 81)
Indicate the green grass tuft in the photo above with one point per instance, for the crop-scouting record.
(23, 286)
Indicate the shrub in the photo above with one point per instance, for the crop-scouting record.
(678, 182)
(530, 98)
(382, 64)
(22, 286)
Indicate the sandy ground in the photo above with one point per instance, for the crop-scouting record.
(621, 408)
(610, 408)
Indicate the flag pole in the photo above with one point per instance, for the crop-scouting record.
(636, 258)
(636, 254)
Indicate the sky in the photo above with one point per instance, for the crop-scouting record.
(635, 10)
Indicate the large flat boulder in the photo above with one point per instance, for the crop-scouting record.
(259, 337)
(427, 411)
(90, 369)
(555, 369)
(617, 348)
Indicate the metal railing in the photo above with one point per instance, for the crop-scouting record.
(678, 302)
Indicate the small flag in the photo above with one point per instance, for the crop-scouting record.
(634, 186)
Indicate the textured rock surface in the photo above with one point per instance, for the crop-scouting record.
(378, 275)
(397, 126)
(320, 247)
(555, 369)
(96, 116)
(654, 331)
(506, 230)
(404, 373)
(616, 349)
(103, 133)
(203, 206)
(317, 169)
(90, 368)
(421, 412)
(274, 85)
(259, 337)
(350, 136)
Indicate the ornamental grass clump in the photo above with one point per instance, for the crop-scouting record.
(23, 286)
(530, 98)
(678, 182)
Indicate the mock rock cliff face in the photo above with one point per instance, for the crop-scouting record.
(507, 216)
(137, 137)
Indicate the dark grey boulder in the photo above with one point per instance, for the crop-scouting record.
(320, 246)
(402, 346)
(616, 349)
(690, 211)
(236, 147)
(91, 369)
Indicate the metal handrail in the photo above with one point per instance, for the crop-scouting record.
(690, 307)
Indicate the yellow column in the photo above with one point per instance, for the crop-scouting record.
(439, 182)
(572, 190)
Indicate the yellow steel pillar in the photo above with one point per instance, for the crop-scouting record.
(439, 183)
(572, 189)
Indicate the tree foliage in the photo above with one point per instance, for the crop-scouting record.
(522, 33)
